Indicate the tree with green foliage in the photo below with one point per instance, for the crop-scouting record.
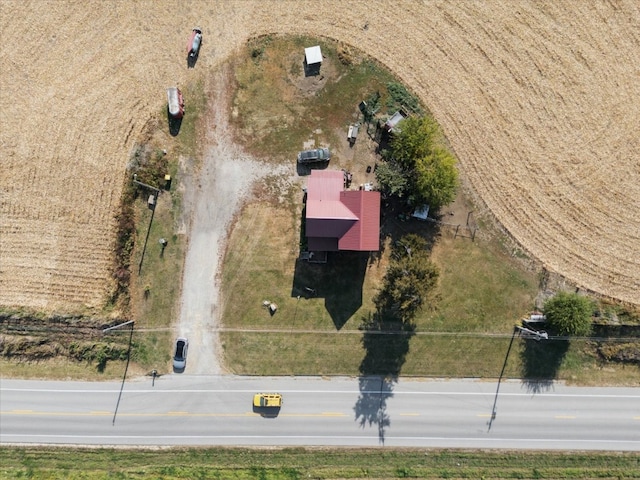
(392, 178)
(428, 168)
(414, 140)
(569, 314)
(409, 280)
(437, 178)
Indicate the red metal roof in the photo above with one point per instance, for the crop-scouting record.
(338, 219)
(324, 185)
(365, 233)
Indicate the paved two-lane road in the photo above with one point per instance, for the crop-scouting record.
(216, 410)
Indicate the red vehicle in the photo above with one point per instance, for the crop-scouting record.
(175, 102)
(193, 47)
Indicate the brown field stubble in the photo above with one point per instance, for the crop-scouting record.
(538, 100)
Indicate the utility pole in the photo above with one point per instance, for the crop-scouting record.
(130, 322)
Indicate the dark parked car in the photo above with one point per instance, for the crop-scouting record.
(314, 155)
(180, 354)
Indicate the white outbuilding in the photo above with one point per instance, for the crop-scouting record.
(313, 56)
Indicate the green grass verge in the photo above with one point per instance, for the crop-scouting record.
(300, 463)
(291, 352)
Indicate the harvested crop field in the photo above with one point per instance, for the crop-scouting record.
(539, 100)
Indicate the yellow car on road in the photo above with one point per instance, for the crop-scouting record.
(266, 400)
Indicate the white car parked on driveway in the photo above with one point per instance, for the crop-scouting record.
(180, 354)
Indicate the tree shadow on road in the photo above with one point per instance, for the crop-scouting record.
(386, 344)
(371, 407)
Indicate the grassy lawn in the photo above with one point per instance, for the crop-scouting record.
(278, 108)
(319, 334)
(299, 463)
(481, 288)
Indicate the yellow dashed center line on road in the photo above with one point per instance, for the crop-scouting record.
(124, 414)
(246, 414)
(326, 414)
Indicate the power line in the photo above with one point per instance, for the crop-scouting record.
(26, 329)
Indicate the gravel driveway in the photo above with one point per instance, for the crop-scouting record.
(211, 199)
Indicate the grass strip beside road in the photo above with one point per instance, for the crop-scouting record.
(428, 354)
(297, 463)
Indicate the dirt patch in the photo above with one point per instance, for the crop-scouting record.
(308, 83)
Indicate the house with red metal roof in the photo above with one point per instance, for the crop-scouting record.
(339, 219)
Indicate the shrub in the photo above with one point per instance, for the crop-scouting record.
(569, 314)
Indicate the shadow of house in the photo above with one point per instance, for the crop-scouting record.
(339, 282)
